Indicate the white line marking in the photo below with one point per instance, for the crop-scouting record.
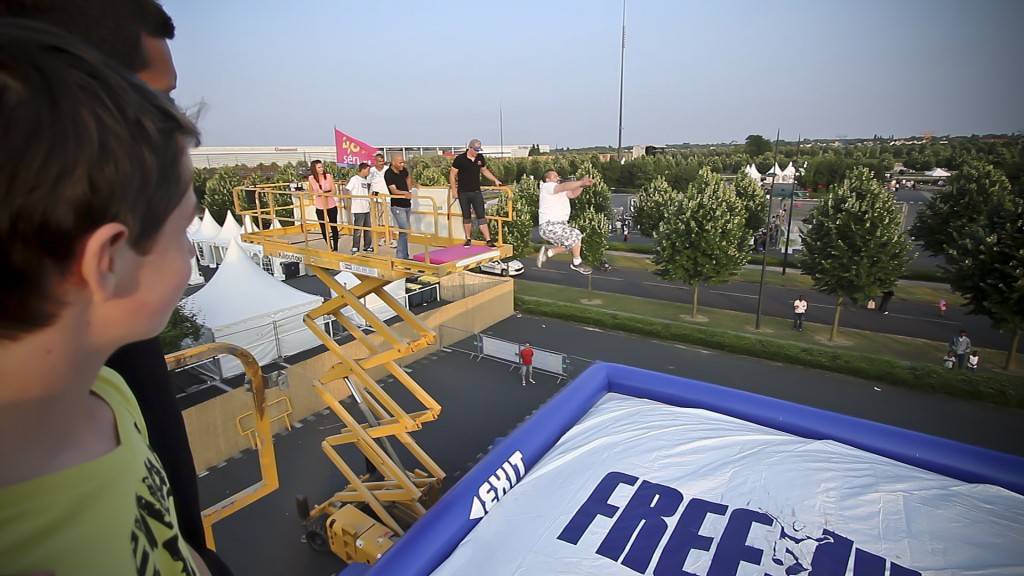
(608, 277)
(549, 270)
(667, 285)
(733, 293)
(925, 319)
(592, 329)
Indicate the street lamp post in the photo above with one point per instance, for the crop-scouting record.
(764, 255)
(789, 224)
(622, 68)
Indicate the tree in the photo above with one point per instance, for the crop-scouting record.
(652, 202)
(534, 151)
(757, 145)
(702, 237)
(752, 196)
(591, 214)
(853, 243)
(963, 205)
(182, 326)
(218, 198)
(519, 232)
(986, 266)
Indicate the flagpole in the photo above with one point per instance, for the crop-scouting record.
(501, 131)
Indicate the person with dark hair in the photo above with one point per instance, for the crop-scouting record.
(960, 345)
(81, 491)
(526, 364)
(464, 184)
(887, 295)
(379, 189)
(358, 187)
(321, 185)
(799, 310)
(134, 34)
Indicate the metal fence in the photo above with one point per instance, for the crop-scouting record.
(480, 346)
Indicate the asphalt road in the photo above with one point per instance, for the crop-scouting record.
(484, 400)
(905, 318)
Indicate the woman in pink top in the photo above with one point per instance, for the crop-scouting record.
(321, 184)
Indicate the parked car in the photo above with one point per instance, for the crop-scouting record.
(503, 268)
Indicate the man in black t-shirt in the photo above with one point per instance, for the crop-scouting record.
(464, 182)
(397, 179)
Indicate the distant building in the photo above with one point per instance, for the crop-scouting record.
(216, 156)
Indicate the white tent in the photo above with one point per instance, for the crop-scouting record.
(776, 171)
(229, 232)
(938, 172)
(245, 306)
(752, 171)
(373, 302)
(247, 224)
(789, 174)
(196, 278)
(203, 239)
(194, 226)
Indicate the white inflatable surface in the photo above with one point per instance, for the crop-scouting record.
(640, 487)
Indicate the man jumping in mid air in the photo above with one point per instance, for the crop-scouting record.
(554, 219)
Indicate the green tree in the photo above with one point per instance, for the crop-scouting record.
(519, 232)
(534, 151)
(753, 198)
(218, 198)
(702, 237)
(853, 242)
(757, 145)
(591, 214)
(652, 202)
(986, 266)
(963, 205)
(182, 326)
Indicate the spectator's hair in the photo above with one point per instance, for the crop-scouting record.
(312, 170)
(379, 155)
(112, 27)
(962, 331)
(362, 166)
(84, 144)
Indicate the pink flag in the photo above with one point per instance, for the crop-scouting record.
(351, 151)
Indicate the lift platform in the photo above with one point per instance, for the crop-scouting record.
(360, 522)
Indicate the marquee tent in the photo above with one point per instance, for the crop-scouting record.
(244, 305)
(203, 239)
(938, 172)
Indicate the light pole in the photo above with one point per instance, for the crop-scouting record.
(622, 68)
(789, 225)
(764, 255)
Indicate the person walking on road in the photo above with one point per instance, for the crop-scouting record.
(526, 364)
(554, 210)
(799, 309)
(960, 345)
(464, 184)
(883, 307)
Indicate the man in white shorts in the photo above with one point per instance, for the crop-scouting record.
(554, 220)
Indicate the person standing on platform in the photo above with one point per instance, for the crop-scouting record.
(321, 185)
(464, 184)
(799, 309)
(359, 187)
(526, 363)
(399, 186)
(379, 188)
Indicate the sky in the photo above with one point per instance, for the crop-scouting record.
(408, 72)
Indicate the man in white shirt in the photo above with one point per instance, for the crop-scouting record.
(359, 187)
(379, 189)
(799, 309)
(554, 220)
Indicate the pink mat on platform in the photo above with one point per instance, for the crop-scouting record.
(456, 253)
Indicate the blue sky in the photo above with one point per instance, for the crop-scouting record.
(421, 72)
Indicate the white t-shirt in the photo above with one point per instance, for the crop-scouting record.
(799, 306)
(376, 178)
(359, 188)
(554, 206)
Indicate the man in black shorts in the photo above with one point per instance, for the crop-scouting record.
(464, 182)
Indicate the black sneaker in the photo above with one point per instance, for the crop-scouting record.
(467, 243)
(492, 244)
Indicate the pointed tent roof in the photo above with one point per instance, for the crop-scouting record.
(241, 290)
(208, 230)
(937, 172)
(752, 170)
(247, 224)
(194, 226)
(790, 170)
(775, 170)
(228, 232)
(275, 225)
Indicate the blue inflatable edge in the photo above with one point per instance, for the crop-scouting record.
(433, 538)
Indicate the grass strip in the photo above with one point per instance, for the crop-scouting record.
(988, 386)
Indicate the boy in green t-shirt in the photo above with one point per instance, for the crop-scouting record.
(95, 199)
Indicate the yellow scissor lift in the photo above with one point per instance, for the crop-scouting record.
(359, 522)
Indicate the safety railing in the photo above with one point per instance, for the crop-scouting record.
(250, 432)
